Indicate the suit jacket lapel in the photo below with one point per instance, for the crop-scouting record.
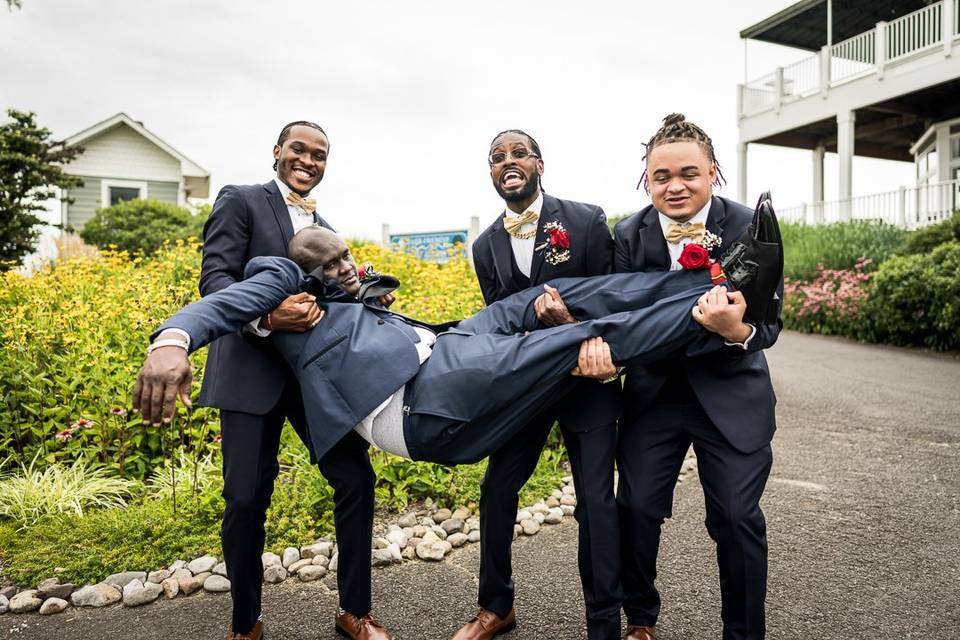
(653, 244)
(502, 256)
(550, 212)
(279, 210)
(715, 221)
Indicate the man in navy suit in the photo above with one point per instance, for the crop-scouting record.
(536, 239)
(721, 403)
(255, 390)
(430, 373)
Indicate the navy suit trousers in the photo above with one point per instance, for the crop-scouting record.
(652, 446)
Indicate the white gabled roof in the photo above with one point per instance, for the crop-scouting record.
(188, 167)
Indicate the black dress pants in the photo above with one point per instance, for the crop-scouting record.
(591, 459)
(250, 446)
(650, 451)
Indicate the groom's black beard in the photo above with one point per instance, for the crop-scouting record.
(521, 194)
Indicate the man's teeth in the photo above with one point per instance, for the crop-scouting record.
(301, 172)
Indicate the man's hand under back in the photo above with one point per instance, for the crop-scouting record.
(165, 375)
(595, 361)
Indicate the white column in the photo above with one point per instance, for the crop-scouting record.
(943, 153)
(845, 144)
(742, 172)
(880, 48)
(472, 235)
(385, 235)
(824, 71)
(818, 154)
(947, 20)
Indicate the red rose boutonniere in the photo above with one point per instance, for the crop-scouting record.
(694, 256)
(557, 247)
(365, 272)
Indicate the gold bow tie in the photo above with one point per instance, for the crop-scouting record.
(512, 225)
(307, 205)
(677, 232)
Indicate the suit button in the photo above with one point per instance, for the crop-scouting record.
(381, 321)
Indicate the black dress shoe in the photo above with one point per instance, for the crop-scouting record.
(377, 286)
(754, 264)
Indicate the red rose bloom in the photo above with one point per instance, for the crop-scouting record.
(361, 272)
(559, 238)
(694, 256)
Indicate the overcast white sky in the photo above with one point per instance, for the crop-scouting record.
(411, 93)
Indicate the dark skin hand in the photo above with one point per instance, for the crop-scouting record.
(550, 308)
(296, 314)
(165, 376)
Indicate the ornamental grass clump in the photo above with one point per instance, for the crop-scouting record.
(30, 494)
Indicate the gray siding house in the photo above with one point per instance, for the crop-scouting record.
(123, 160)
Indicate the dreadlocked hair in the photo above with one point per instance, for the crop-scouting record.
(676, 128)
(285, 133)
(533, 147)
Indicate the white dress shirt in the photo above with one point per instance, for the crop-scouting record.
(523, 249)
(300, 219)
(676, 249)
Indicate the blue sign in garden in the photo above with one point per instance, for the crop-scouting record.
(436, 246)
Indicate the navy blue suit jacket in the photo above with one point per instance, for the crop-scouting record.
(590, 403)
(243, 372)
(733, 385)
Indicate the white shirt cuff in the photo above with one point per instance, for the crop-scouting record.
(254, 327)
(179, 332)
(746, 343)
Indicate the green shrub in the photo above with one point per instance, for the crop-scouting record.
(141, 226)
(807, 249)
(915, 300)
(926, 239)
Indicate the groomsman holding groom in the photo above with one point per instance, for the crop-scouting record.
(721, 403)
(536, 239)
(255, 390)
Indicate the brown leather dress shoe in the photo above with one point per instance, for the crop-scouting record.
(365, 628)
(254, 634)
(485, 625)
(640, 633)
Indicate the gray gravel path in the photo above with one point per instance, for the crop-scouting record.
(863, 508)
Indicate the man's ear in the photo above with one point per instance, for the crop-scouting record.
(276, 152)
(539, 167)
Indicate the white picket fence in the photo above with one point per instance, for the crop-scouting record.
(908, 207)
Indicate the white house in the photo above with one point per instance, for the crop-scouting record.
(123, 160)
(882, 80)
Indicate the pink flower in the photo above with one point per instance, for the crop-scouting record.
(64, 435)
(82, 423)
(118, 411)
(218, 438)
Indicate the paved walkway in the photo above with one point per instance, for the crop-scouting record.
(863, 507)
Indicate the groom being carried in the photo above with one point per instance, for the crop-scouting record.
(422, 401)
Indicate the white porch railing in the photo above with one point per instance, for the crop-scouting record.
(888, 43)
(908, 207)
(854, 57)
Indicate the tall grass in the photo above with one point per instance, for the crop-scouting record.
(30, 494)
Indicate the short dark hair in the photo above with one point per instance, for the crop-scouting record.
(285, 133)
(676, 128)
(533, 146)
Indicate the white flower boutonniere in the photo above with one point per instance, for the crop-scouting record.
(711, 241)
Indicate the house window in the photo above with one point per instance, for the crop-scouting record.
(115, 191)
(119, 194)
